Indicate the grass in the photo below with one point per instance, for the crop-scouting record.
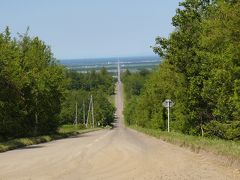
(225, 148)
(63, 132)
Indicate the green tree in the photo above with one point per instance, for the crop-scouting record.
(200, 72)
(32, 87)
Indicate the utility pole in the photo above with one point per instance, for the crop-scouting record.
(84, 113)
(90, 108)
(92, 112)
(168, 108)
(76, 120)
(36, 119)
(36, 123)
(88, 112)
(119, 72)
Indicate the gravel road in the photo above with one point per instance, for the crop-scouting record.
(119, 153)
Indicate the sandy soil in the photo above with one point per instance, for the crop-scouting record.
(120, 153)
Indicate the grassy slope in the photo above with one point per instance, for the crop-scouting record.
(64, 132)
(228, 149)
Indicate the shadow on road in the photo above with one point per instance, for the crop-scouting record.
(30, 147)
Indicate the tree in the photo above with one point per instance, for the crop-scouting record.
(200, 72)
(32, 87)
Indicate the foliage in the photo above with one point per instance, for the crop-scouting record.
(200, 73)
(133, 82)
(133, 85)
(92, 80)
(37, 94)
(32, 87)
(98, 84)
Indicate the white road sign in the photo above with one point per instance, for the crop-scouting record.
(168, 103)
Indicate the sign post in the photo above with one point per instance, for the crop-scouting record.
(168, 104)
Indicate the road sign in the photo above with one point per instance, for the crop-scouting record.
(168, 103)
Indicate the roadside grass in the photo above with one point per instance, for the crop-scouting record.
(225, 148)
(64, 131)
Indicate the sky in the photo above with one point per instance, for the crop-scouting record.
(91, 28)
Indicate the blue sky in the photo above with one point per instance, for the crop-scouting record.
(91, 28)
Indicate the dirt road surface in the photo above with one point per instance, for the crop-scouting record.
(119, 153)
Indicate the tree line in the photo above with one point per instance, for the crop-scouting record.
(81, 86)
(200, 73)
(37, 93)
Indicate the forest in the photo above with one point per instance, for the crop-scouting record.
(81, 86)
(38, 95)
(200, 73)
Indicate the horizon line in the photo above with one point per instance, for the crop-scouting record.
(107, 57)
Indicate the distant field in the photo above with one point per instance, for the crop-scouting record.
(131, 63)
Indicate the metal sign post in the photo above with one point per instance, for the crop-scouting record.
(168, 104)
